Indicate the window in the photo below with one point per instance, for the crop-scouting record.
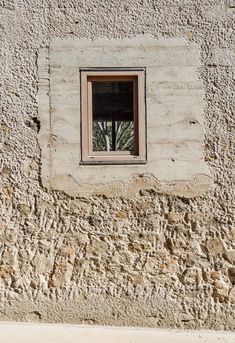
(113, 116)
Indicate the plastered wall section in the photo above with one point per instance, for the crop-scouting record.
(174, 105)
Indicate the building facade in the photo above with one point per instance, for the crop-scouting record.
(145, 244)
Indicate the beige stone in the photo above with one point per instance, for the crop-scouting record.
(8, 191)
(6, 171)
(121, 215)
(214, 246)
(192, 276)
(221, 290)
(42, 264)
(23, 208)
(62, 274)
(175, 217)
(97, 246)
(138, 246)
(230, 256)
(137, 279)
(231, 274)
(216, 275)
(231, 295)
(2, 225)
(6, 271)
(170, 266)
(78, 238)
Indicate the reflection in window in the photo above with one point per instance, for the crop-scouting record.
(112, 116)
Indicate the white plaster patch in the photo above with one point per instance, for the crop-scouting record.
(174, 102)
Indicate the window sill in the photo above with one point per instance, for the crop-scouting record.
(118, 162)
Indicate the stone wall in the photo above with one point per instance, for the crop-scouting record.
(153, 259)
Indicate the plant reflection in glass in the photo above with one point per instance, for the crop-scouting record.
(113, 136)
(113, 122)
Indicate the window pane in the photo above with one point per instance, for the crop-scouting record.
(113, 117)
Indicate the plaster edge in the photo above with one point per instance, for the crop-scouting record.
(147, 39)
(139, 184)
(43, 98)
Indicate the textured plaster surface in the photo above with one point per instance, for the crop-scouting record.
(174, 103)
(153, 259)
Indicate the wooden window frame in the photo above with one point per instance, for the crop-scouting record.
(88, 156)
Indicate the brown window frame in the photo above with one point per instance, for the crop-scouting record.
(88, 156)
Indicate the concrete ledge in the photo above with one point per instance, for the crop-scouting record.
(48, 333)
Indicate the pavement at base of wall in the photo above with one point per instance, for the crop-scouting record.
(59, 333)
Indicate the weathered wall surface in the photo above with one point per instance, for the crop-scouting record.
(153, 259)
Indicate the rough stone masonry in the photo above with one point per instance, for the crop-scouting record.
(150, 259)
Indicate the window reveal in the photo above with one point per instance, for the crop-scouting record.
(113, 117)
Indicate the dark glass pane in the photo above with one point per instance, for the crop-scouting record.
(113, 117)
